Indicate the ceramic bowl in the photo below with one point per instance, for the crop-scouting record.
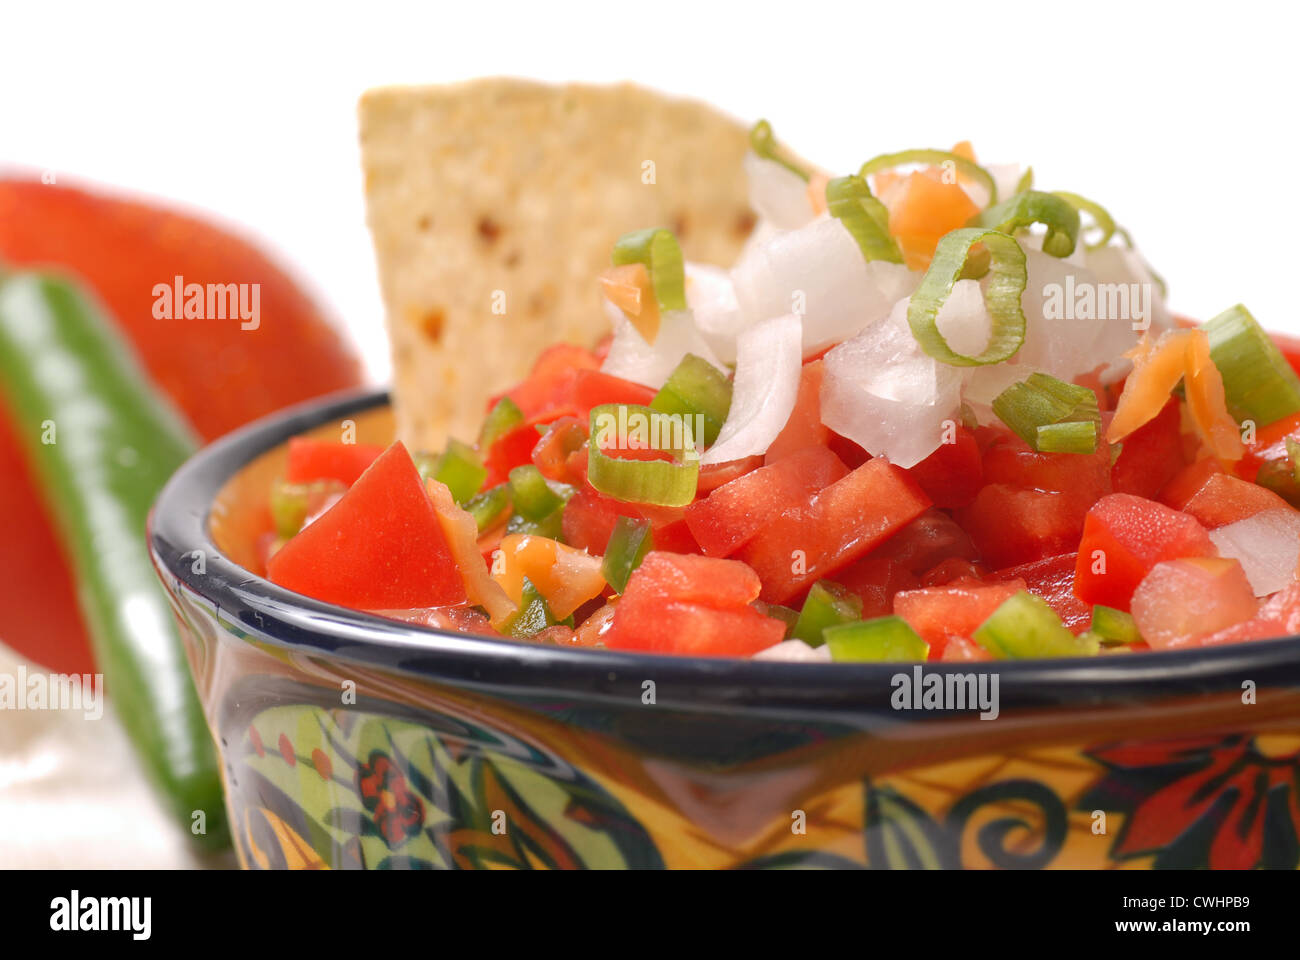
(352, 741)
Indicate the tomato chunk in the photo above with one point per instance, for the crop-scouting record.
(589, 519)
(1269, 444)
(1053, 580)
(549, 385)
(832, 528)
(729, 517)
(1124, 537)
(954, 473)
(380, 547)
(805, 427)
(939, 614)
(1011, 525)
(691, 605)
(1225, 499)
(1182, 599)
(512, 449)
(1188, 480)
(876, 580)
(311, 460)
(1151, 456)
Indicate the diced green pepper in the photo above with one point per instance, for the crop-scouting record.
(291, 503)
(1114, 626)
(1025, 626)
(534, 497)
(488, 507)
(696, 387)
(883, 639)
(628, 545)
(828, 605)
(460, 467)
(533, 614)
(501, 419)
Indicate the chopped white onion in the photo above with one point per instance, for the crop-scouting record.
(1007, 177)
(1062, 328)
(817, 271)
(712, 300)
(883, 392)
(768, 364)
(1268, 546)
(777, 195)
(964, 320)
(631, 358)
(795, 651)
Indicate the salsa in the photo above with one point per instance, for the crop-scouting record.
(931, 413)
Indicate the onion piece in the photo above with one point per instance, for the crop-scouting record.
(779, 196)
(768, 363)
(818, 271)
(884, 392)
(631, 358)
(712, 299)
(795, 651)
(1267, 545)
(1061, 331)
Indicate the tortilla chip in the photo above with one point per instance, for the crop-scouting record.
(494, 205)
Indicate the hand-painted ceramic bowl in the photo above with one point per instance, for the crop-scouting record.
(353, 741)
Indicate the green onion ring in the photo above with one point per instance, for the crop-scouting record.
(657, 248)
(887, 161)
(1007, 279)
(849, 200)
(660, 482)
(1034, 206)
(1101, 219)
(763, 143)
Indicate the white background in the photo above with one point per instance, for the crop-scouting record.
(1181, 119)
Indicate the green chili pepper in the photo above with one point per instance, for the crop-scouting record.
(532, 616)
(103, 444)
(501, 419)
(828, 605)
(696, 387)
(627, 547)
(489, 506)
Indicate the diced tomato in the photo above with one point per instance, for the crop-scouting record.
(1290, 348)
(1256, 628)
(1190, 597)
(805, 427)
(1124, 537)
(589, 519)
(851, 454)
(714, 475)
(1010, 525)
(591, 388)
(954, 473)
(554, 448)
(729, 517)
(311, 460)
(512, 449)
(675, 537)
(832, 528)
(550, 383)
(1053, 580)
(927, 541)
(1085, 477)
(1150, 456)
(1269, 444)
(380, 547)
(876, 580)
(1225, 499)
(1188, 480)
(956, 610)
(691, 605)
(951, 570)
(962, 650)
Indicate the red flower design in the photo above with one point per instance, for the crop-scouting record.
(398, 813)
(1202, 801)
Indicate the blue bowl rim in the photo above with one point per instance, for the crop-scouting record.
(179, 524)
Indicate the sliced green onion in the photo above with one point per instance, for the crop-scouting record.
(533, 615)
(661, 482)
(1025, 626)
(656, 248)
(1114, 626)
(535, 497)
(887, 161)
(1101, 220)
(1026, 181)
(1258, 382)
(1033, 206)
(1050, 415)
(828, 605)
(488, 507)
(849, 200)
(292, 503)
(501, 419)
(872, 641)
(763, 142)
(627, 547)
(460, 467)
(1006, 283)
(696, 387)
